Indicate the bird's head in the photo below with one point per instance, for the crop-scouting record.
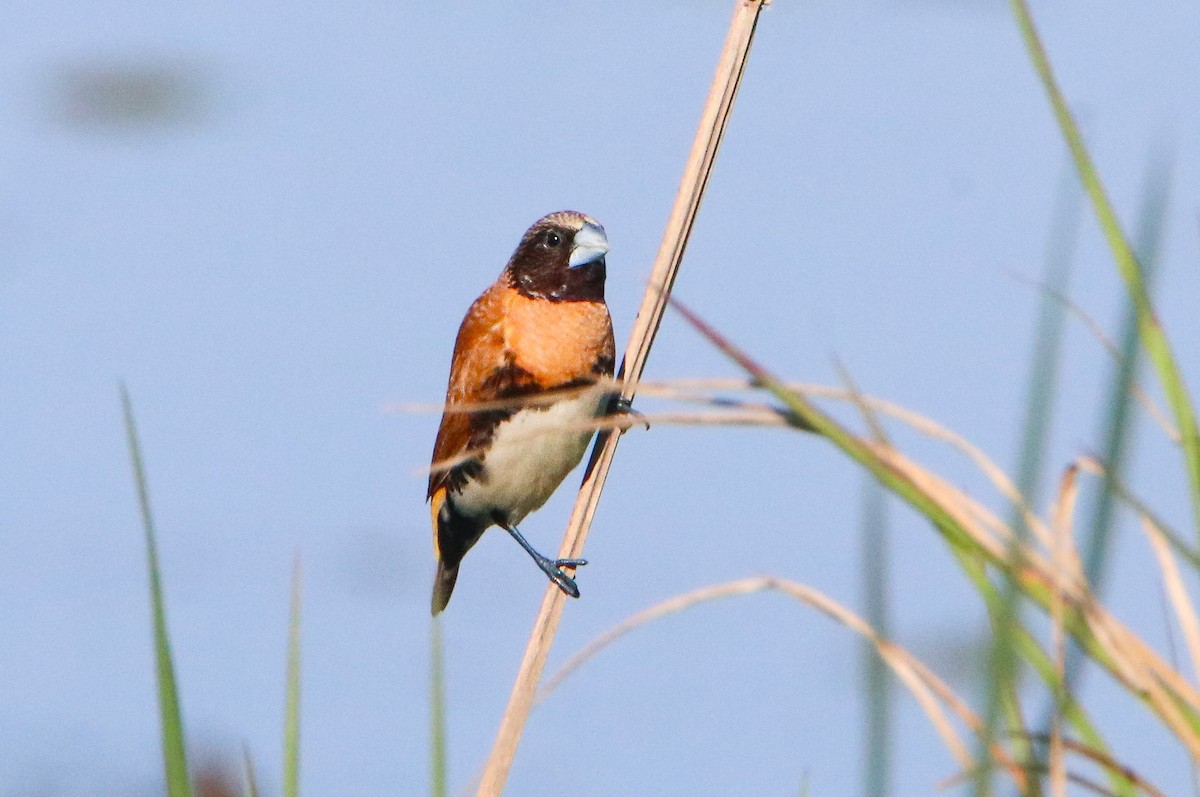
(561, 258)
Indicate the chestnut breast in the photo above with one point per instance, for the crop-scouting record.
(558, 341)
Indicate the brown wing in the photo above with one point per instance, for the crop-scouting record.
(511, 346)
(480, 371)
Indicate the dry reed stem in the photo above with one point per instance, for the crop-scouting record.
(772, 416)
(767, 415)
(1108, 762)
(1185, 611)
(1062, 517)
(713, 121)
(916, 421)
(744, 413)
(739, 416)
(1075, 778)
(931, 692)
(1132, 662)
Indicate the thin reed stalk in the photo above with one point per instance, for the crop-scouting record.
(713, 120)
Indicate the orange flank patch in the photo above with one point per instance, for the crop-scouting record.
(435, 507)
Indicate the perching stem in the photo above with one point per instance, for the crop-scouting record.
(711, 129)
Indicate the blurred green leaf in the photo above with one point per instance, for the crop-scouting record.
(174, 749)
(437, 710)
(291, 722)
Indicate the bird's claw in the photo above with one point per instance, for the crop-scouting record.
(622, 405)
(553, 569)
(564, 582)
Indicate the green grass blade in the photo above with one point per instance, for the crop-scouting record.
(437, 710)
(291, 721)
(173, 746)
(1002, 667)
(1119, 418)
(1153, 336)
(879, 686)
(1031, 651)
(1047, 346)
(876, 674)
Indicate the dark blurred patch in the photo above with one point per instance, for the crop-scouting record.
(220, 772)
(217, 779)
(127, 94)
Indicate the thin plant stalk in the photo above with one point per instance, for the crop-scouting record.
(437, 710)
(1003, 670)
(291, 722)
(878, 747)
(714, 119)
(1119, 419)
(174, 748)
(1062, 554)
(877, 684)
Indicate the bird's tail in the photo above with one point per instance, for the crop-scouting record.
(443, 585)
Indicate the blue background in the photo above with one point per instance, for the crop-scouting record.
(269, 221)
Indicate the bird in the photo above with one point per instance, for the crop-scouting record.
(540, 330)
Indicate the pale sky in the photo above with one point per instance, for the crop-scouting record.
(272, 235)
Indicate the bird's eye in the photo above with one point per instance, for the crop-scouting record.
(553, 239)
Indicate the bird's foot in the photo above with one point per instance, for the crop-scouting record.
(620, 405)
(553, 568)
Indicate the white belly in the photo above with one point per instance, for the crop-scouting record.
(531, 453)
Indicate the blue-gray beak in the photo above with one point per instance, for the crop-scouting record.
(591, 244)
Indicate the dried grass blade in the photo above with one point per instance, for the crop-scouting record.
(1062, 515)
(1181, 602)
(932, 694)
(961, 520)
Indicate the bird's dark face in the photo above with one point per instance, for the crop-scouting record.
(561, 258)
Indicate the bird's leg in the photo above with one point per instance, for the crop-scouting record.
(620, 405)
(553, 568)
